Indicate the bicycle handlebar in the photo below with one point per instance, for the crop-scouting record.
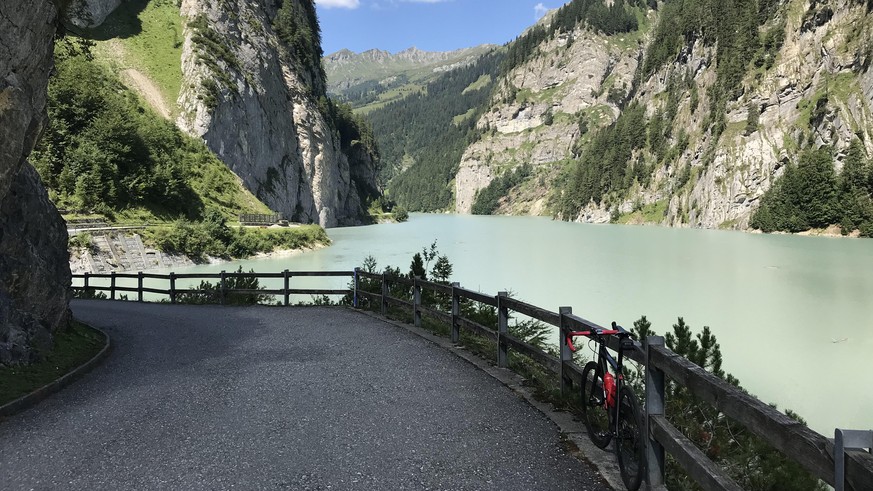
(616, 330)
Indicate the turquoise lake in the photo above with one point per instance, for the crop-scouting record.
(792, 314)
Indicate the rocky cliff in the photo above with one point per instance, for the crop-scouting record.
(535, 113)
(89, 13)
(808, 84)
(34, 272)
(250, 95)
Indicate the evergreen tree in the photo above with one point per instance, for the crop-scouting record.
(416, 268)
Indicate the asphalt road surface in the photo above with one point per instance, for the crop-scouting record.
(312, 398)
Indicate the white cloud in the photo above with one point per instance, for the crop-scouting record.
(540, 10)
(342, 4)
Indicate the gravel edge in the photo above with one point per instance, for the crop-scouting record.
(601, 461)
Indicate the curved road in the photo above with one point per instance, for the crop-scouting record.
(208, 397)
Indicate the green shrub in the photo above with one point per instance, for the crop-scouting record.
(400, 214)
(213, 237)
(209, 293)
(81, 241)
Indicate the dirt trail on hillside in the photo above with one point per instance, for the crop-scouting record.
(148, 90)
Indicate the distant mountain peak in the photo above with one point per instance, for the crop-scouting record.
(346, 69)
(345, 52)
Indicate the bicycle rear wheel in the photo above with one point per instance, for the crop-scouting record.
(629, 443)
(594, 406)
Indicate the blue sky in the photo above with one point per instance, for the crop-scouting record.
(430, 25)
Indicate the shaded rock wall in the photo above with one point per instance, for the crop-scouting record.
(34, 268)
(90, 13)
(254, 107)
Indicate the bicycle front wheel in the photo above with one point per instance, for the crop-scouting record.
(629, 443)
(594, 406)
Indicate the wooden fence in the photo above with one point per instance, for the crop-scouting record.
(172, 292)
(260, 219)
(810, 449)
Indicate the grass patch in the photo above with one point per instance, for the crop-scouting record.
(150, 35)
(480, 83)
(728, 224)
(550, 94)
(72, 348)
(463, 117)
(651, 213)
(630, 40)
(393, 95)
(214, 238)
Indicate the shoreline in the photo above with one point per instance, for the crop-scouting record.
(81, 263)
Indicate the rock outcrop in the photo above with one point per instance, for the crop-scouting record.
(90, 13)
(535, 113)
(255, 106)
(822, 67)
(34, 268)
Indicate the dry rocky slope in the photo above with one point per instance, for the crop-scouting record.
(711, 184)
(253, 106)
(562, 81)
(34, 272)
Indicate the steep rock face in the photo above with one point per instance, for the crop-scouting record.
(253, 106)
(90, 13)
(814, 60)
(824, 61)
(34, 272)
(534, 116)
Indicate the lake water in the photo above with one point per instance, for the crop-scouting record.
(776, 303)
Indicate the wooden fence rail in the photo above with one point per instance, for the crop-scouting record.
(172, 292)
(810, 449)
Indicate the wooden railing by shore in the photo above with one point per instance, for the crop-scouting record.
(810, 449)
(172, 292)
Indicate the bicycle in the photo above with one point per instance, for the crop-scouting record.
(609, 406)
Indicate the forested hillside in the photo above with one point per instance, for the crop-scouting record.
(683, 113)
(104, 152)
(422, 137)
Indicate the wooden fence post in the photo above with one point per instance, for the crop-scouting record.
(566, 354)
(139, 286)
(172, 287)
(287, 277)
(112, 286)
(85, 284)
(456, 313)
(502, 330)
(384, 308)
(356, 282)
(416, 302)
(654, 407)
(223, 286)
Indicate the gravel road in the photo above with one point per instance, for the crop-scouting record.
(312, 398)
